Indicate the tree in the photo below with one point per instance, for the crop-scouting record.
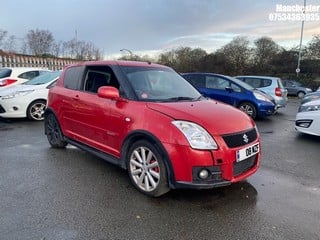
(313, 48)
(183, 59)
(265, 50)
(3, 34)
(39, 41)
(237, 54)
(10, 44)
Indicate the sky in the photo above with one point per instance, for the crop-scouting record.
(155, 26)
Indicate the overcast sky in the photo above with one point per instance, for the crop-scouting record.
(145, 26)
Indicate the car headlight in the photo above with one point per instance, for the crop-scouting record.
(308, 108)
(197, 137)
(261, 97)
(17, 94)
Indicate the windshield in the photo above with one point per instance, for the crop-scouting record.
(160, 84)
(44, 78)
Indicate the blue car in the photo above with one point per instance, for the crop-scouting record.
(234, 92)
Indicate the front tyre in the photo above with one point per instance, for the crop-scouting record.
(35, 111)
(53, 131)
(146, 169)
(249, 109)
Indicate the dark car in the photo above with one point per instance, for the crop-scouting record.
(234, 92)
(149, 120)
(295, 88)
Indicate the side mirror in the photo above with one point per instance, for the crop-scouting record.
(229, 89)
(109, 93)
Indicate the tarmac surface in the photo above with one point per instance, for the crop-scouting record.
(54, 194)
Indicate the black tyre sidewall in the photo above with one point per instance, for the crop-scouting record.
(60, 143)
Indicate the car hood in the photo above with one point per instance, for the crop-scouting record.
(216, 117)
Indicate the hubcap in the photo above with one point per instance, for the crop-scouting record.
(144, 169)
(37, 111)
(247, 109)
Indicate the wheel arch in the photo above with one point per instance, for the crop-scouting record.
(144, 135)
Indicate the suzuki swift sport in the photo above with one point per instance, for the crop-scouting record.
(147, 119)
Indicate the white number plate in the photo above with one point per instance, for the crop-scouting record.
(247, 152)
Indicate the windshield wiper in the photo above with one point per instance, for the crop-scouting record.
(182, 99)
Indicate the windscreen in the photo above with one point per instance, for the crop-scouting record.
(159, 84)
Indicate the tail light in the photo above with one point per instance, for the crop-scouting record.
(7, 82)
(278, 92)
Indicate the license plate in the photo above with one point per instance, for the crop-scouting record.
(247, 152)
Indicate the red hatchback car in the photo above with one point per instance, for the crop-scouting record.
(147, 119)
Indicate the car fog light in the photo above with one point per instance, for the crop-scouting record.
(303, 123)
(203, 174)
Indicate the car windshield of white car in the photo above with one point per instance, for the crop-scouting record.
(43, 79)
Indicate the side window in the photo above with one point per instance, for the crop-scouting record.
(73, 78)
(94, 80)
(216, 82)
(235, 87)
(254, 82)
(29, 75)
(197, 81)
(266, 82)
(97, 77)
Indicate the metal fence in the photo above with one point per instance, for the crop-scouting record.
(18, 60)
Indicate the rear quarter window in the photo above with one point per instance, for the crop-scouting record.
(73, 77)
(5, 72)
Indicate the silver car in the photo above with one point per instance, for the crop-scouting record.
(270, 85)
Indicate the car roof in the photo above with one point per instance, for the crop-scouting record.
(119, 63)
(257, 76)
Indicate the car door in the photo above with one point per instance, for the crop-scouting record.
(291, 87)
(97, 121)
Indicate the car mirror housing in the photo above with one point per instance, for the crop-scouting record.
(108, 92)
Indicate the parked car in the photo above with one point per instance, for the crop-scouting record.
(310, 97)
(295, 88)
(308, 118)
(270, 85)
(28, 99)
(146, 118)
(18, 75)
(234, 92)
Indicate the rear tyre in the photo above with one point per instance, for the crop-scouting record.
(146, 169)
(249, 109)
(301, 94)
(53, 132)
(35, 111)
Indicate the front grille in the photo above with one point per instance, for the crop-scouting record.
(244, 165)
(2, 109)
(240, 139)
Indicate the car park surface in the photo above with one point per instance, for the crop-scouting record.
(179, 139)
(71, 194)
(233, 92)
(270, 85)
(28, 99)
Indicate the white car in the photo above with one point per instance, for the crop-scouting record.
(14, 76)
(28, 99)
(308, 118)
